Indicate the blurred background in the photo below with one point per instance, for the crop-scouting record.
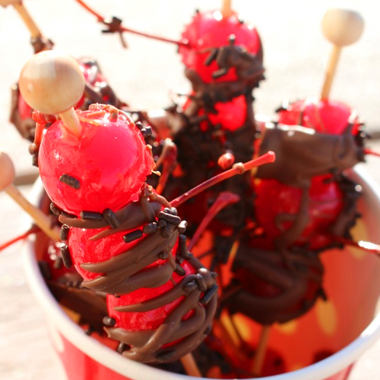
(144, 75)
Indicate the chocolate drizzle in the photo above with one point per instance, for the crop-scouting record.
(133, 269)
(291, 298)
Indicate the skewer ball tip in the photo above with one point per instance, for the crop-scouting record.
(7, 171)
(51, 82)
(342, 27)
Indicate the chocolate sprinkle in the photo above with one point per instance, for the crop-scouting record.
(209, 294)
(150, 228)
(70, 181)
(109, 321)
(54, 209)
(64, 233)
(111, 218)
(134, 235)
(90, 215)
(123, 347)
(179, 270)
(65, 252)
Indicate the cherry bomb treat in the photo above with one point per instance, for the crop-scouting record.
(106, 194)
(318, 139)
(214, 127)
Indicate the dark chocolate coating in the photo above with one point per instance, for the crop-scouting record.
(127, 272)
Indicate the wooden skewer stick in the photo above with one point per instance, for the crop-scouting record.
(190, 366)
(53, 83)
(261, 350)
(29, 22)
(341, 27)
(24, 14)
(6, 183)
(226, 8)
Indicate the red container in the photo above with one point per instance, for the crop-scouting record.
(346, 324)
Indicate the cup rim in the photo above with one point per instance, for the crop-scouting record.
(138, 371)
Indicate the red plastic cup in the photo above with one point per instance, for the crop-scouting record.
(346, 324)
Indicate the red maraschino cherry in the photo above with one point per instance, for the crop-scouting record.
(97, 162)
(209, 30)
(324, 116)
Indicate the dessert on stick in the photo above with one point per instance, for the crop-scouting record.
(105, 125)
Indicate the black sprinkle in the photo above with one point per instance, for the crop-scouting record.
(182, 227)
(89, 331)
(54, 209)
(64, 233)
(109, 321)
(89, 215)
(207, 331)
(161, 223)
(35, 160)
(139, 125)
(150, 228)
(201, 282)
(111, 218)
(65, 252)
(123, 347)
(172, 210)
(134, 235)
(172, 219)
(190, 287)
(179, 270)
(70, 181)
(209, 294)
(146, 132)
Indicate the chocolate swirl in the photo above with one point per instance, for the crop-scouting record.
(132, 270)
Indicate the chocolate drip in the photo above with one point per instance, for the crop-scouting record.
(302, 153)
(292, 283)
(132, 270)
(148, 347)
(130, 217)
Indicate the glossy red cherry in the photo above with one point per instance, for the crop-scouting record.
(148, 320)
(107, 165)
(324, 116)
(209, 30)
(84, 250)
(276, 204)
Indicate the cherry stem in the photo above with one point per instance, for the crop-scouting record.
(361, 244)
(371, 152)
(238, 168)
(123, 29)
(32, 230)
(224, 199)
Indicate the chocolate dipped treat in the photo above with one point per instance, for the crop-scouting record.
(126, 261)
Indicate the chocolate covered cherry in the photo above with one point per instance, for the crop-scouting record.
(324, 116)
(209, 30)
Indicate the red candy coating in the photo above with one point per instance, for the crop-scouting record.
(84, 250)
(276, 204)
(324, 116)
(110, 160)
(145, 320)
(209, 30)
